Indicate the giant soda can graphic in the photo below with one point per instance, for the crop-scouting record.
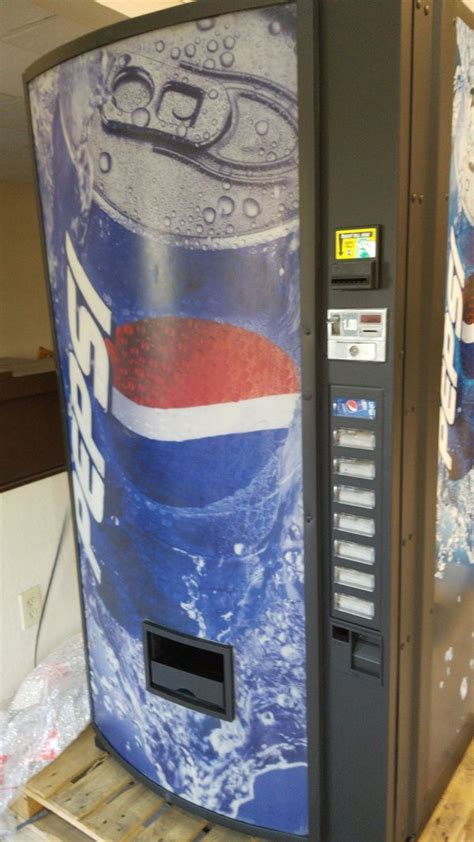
(452, 665)
(167, 166)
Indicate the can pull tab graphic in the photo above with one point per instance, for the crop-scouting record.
(202, 116)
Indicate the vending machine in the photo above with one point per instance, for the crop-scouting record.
(257, 219)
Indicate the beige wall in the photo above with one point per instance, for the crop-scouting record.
(30, 524)
(31, 515)
(24, 319)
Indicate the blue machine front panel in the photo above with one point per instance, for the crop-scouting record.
(453, 592)
(167, 166)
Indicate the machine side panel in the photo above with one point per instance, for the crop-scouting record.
(453, 605)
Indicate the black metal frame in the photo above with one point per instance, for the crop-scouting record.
(307, 21)
(374, 133)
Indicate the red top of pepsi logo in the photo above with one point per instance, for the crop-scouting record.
(173, 362)
(352, 405)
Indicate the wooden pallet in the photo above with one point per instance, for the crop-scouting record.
(88, 795)
(91, 796)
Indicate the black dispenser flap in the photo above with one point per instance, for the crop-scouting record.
(191, 686)
(193, 672)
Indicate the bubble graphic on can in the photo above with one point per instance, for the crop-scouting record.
(228, 139)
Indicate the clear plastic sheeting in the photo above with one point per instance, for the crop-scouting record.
(49, 710)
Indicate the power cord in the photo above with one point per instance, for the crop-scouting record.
(50, 582)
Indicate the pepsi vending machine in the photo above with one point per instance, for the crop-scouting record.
(258, 222)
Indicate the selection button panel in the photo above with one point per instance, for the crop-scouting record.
(356, 429)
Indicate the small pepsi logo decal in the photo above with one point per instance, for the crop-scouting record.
(352, 405)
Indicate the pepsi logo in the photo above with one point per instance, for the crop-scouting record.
(202, 405)
(352, 405)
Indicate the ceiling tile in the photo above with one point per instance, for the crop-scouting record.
(40, 38)
(86, 12)
(132, 8)
(17, 13)
(13, 62)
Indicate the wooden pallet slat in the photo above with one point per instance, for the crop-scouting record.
(51, 828)
(100, 783)
(174, 825)
(74, 761)
(25, 807)
(120, 818)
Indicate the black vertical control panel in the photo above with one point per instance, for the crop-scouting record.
(356, 479)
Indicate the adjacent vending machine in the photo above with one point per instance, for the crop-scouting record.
(257, 219)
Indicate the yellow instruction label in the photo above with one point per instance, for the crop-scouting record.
(353, 243)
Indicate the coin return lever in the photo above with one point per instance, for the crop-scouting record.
(359, 651)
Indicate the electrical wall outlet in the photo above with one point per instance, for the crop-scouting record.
(30, 607)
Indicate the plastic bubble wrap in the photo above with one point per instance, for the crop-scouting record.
(48, 712)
